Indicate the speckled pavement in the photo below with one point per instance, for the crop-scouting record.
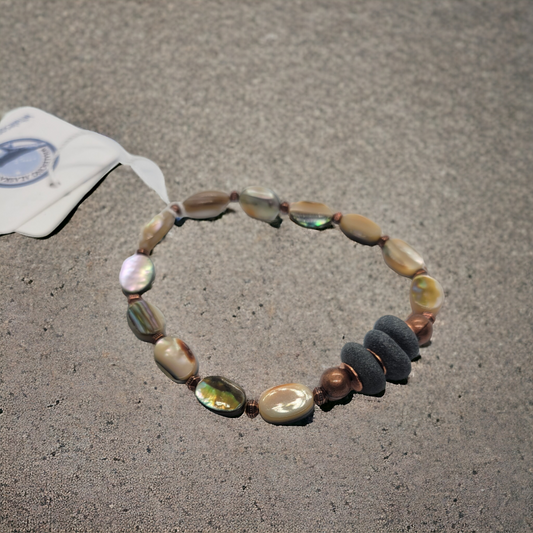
(416, 114)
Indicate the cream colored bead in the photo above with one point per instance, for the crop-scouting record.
(426, 295)
(402, 258)
(286, 404)
(207, 204)
(156, 229)
(175, 359)
(360, 229)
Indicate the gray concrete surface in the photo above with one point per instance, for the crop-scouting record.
(416, 114)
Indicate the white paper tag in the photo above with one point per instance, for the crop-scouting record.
(48, 165)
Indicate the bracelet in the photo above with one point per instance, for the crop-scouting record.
(386, 352)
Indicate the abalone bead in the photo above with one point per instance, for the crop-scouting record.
(394, 359)
(260, 203)
(426, 295)
(145, 320)
(360, 229)
(207, 204)
(175, 359)
(153, 233)
(311, 215)
(402, 257)
(286, 404)
(137, 274)
(400, 332)
(221, 396)
(366, 366)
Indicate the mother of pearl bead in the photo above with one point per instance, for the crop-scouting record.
(426, 295)
(285, 404)
(221, 395)
(175, 359)
(137, 274)
(402, 258)
(260, 203)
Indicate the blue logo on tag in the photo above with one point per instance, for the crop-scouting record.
(25, 161)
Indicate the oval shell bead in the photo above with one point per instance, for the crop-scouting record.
(360, 229)
(286, 404)
(221, 396)
(137, 274)
(145, 320)
(426, 295)
(156, 229)
(260, 203)
(311, 215)
(207, 204)
(402, 257)
(175, 359)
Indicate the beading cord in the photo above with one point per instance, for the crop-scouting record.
(386, 352)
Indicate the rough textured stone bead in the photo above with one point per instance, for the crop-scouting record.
(175, 359)
(426, 295)
(400, 332)
(311, 215)
(260, 203)
(394, 359)
(137, 274)
(286, 404)
(422, 327)
(145, 320)
(360, 229)
(402, 257)
(156, 229)
(366, 366)
(207, 204)
(221, 396)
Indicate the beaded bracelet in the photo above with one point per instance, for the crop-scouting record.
(386, 352)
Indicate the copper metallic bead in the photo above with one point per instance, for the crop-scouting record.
(336, 383)
(284, 208)
(336, 218)
(319, 396)
(176, 209)
(378, 359)
(422, 327)
(192, 382)
(252, 408)
(355, 382)
(143, 251)
(382, 240)
(133, 298)
(234, 196)
(157, 336)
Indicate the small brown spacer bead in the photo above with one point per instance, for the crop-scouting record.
(234, 196)
(382, 240)
(420, 272)
(133, 298)
(284, 208)
(252, 408)
(319, 396)
(176, 209)
(336, 218)
(156, 337)
(143, 251)
(192, 382)
(379, 360)
(422, 327)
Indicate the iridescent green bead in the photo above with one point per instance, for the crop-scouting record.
(221, 396)
(426, 295)
(260, 203)
(311, 215)
(145, 320)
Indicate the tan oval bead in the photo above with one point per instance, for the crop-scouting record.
(207, 204)
(175, 359)
(402, 257)
(426, 295)
(156, 229)
(311, 215)
(286, 404)
(360, 229)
